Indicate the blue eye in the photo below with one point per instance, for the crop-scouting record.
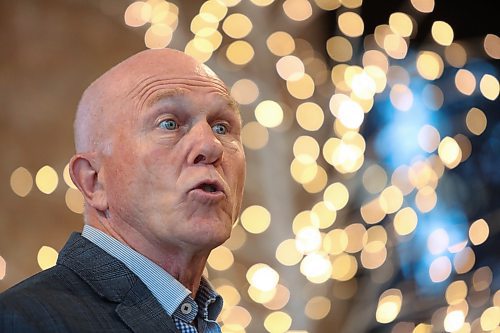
(220, 129)
(169, 124)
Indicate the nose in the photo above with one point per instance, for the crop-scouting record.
(205, 147)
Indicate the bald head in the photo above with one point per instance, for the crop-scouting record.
(128, 81)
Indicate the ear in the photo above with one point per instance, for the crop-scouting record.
(84, 172)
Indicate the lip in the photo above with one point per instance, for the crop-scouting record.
(219, 193)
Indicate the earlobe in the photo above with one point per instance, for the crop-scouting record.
(85, 175)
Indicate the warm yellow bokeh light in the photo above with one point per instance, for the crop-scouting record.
(336, 196)
(245, 91)
(344, 267)
(372, 212)
(3, 268)
(430, 65)
(391, 199)
(290, 68)
(237, 25)
(158, 36)
(254, 136)
(21, 182)
(255, 219)
(240, 52)
(199, 48)
(262, 3)
(318, 182)
(442, 33)
(47, 257)
(280, 298)
(351, 24)
(316, 267)
(46, 179)
(476, 121)
(328, 4)
(492, 46)
(237, 318)
(389, 305)
(405, 221)
(318, 307)
(456, 55)
(339, 48)
(356, 236)
(302, 87)
(280, 43)
(303, 173)
(306, 149)
(423, 6)
(137, 14)
(464, 260)
(426, 199)
(269, 113)
(453, 321)
(335, 241)
(74, 200)
(490, 319)
(308, 240)
(230, 294)
(401, 24)
(287, 254)
(489, 87)
(310, 116)
(449, 152)
(322, 216)
(221, 258)
(479, 232)
(302, 220)
(395, 46)
(456, 292)
(214, 7)
(262, 277)
(297, 10)
(278, 322)
(440, 269)
(465, 82)
(67, 177)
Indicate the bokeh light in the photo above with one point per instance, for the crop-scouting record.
(371, 135)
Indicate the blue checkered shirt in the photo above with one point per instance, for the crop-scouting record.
(190, 315)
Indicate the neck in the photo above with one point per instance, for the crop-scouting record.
(186, 265)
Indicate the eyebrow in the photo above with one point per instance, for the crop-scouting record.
(155, 97)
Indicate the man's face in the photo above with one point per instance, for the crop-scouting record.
(176, 168)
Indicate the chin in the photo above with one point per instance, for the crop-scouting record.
(212, 234)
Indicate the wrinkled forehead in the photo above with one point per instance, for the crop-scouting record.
(153, 88)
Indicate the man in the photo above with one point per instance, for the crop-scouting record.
(160, 164)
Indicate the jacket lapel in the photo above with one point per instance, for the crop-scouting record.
(111, 279)
(142, 313)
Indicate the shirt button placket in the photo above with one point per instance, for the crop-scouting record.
(186, 308)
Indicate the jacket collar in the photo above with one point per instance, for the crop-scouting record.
(111, 279)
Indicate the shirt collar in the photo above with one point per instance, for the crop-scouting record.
(169, 292)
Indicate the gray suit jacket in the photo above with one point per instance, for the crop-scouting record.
(87, 291)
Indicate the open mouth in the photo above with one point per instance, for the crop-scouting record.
(210, 188)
